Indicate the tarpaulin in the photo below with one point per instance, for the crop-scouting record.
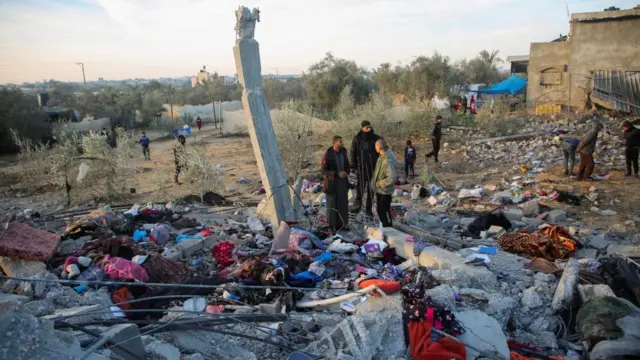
(512, 85)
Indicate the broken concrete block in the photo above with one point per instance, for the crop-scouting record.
(483, 333)
(623, 250)
(464, 222)
(600, 242)
(195, 356)
(126, 336)
(162, 351)
(81, 314)
(556, 216)
(25, 337)
(531, 207)
(189, 247)
(567, 287)
(38, 308)
(586, 254)
(531, 299)
(21, 268)
(11, 302)
(588, 291)
(214, 345)
(211, 241)
(171, 253)
(22, 241)
(513, 214)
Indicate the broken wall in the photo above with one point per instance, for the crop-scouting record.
(548, 82)
(603, 44)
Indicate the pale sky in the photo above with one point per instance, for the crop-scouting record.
(118, 39)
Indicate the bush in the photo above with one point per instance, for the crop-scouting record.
(294, 134)
(497, 122)
(200, 173)
(33, 161)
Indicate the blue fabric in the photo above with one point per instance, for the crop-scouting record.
(512, 85)
(324, 257)
(144, 141)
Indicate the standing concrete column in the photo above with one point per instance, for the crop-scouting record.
(256, 113)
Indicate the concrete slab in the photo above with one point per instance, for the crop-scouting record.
(483, 332)
(21, 241)
(21, 268)
(126, 336)
(11, 302)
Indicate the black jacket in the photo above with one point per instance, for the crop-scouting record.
(330, 168)
(437, 132)
(363, 152)
(632, 138)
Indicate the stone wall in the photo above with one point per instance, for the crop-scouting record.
(548, 59)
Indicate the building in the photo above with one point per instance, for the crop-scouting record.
(201, 77)
(519, 65)
(597, 63)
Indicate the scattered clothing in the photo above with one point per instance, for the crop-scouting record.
(222, 252)
(485, 221)
(551, 243)
(122, 269)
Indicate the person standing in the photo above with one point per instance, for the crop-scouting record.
(436, 136)
(335, 164)
(384, 179)
(465, 104)
(409, 160)
(472, 105)
(632, 144)
(363, 160)
(144, 142)
(586, 148)
(179, 156)
(568, 147)
(199, 123)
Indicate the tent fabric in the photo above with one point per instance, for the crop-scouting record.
(512, 85)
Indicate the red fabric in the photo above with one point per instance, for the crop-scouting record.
(389, 287)
(121, 295)
(422, 348)
(222, 252)
(122, 269)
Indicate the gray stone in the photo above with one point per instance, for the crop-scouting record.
(566, 290)
(588, 291)
(467, 277)
(543, 323)
(483, 333)
(128, 337)
(196, 356)
(464, 222)
(531, 299)
(442, 295)
(25, 337)
(82, 314)
(459, 184)
(513, 214)
(547, 339)
(556, 216)
(38, 308)
(600, 242)
(623, 250)
(586, 254)
(531, 207)
(189, 247)
(500, 307)
(11, 302)
(214, 345)
(162, 351)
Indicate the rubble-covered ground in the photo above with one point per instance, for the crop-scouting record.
(506, 301)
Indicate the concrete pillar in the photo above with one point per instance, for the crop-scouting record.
(256, 111)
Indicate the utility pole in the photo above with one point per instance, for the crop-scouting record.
(256, 112)
(84, 78)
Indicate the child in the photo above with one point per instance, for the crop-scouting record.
(409, 159)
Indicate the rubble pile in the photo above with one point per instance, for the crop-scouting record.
(486, 268)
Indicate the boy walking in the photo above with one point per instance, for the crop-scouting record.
(144, 142)
(409, 160)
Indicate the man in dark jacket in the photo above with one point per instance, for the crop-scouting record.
(436, 136)
(144, 142)
(586, 148)
(363, 161)
(632, 144)
(335, 164)
(179, 156)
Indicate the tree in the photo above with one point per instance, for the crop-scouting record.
(327, 78)
(20, 112)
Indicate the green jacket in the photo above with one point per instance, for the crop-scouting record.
(384, 176)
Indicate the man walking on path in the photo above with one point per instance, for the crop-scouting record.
(179, 156)
(436, 136)
(632, 144)
(568, 147)
(335, 164)
(144, 142)
(383, 182)
(199, 123)
(363, 161)
(586, 148)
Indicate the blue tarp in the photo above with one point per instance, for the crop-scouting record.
(512, 85)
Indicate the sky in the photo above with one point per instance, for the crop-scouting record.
(119, 39)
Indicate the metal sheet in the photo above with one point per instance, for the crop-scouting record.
(617, 90)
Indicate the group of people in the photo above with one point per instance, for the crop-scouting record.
(586, 147)
(178, 152)
(464, 104)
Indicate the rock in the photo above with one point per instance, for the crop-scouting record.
(38, 308)
(547, 339)
(21, 268)
(586, 254)
(556, 216)
(161, 351)
(599, 242)
(214, 345)
(623, 250)
(128, 337)
(195, 356)
(543, 323)
(459, 184)
(189, 247)
(531, 299)
(513, 214)
(531, 207)
(565, 292)
(500, 307)
(25, 337)
(588, 292)
(11, 302)
(483, 333)
(597, 318)
(542, 277)
(442, 295)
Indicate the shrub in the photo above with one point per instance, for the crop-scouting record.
(294, 134)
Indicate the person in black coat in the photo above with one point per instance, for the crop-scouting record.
(632, 144)
(363, 162)
(436, 136)
(335, 167)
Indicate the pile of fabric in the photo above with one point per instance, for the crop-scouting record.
(551, 243)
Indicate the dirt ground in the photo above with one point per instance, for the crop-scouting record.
(618, 193)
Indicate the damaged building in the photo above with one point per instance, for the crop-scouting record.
(596, 64)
